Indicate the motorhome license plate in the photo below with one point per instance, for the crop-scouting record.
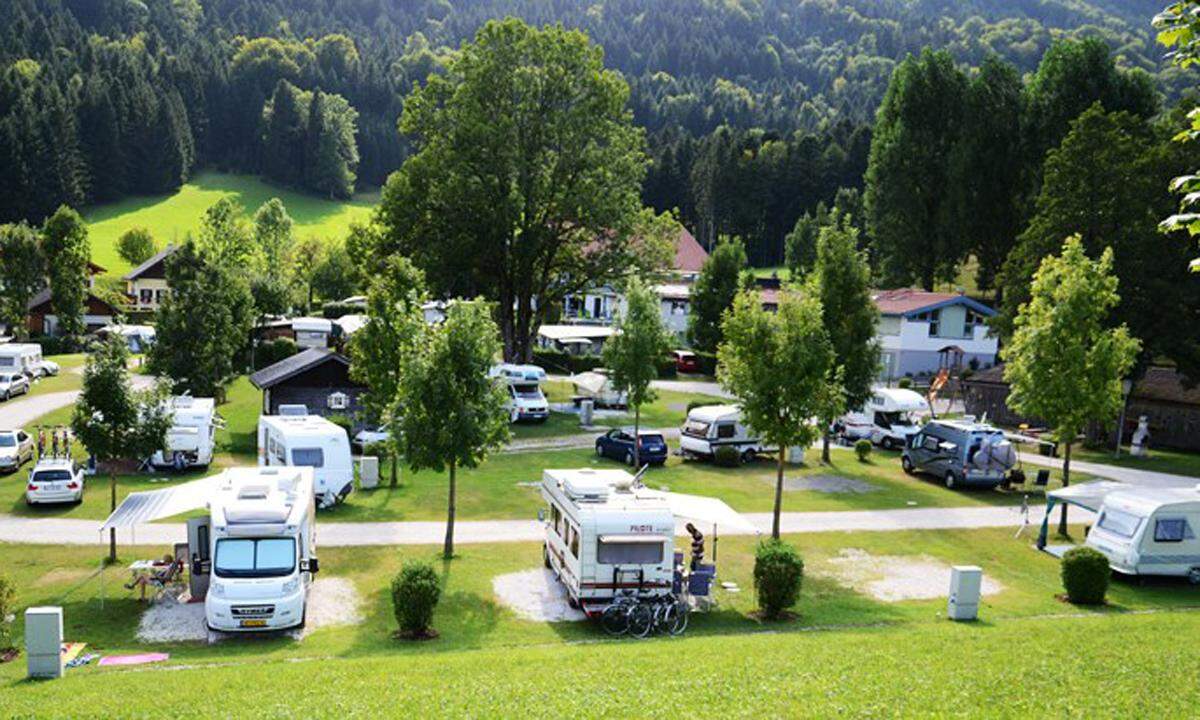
(254, 623)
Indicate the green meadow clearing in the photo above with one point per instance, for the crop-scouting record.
(171, 217)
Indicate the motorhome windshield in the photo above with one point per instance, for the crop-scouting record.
(254, 557)
(530, 392)
(1119, 523)
(696, 428)
(891, 419)
(308, 457)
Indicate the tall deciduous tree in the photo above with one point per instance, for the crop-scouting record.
(22, 274)
(1064, 364)
(778, 365)
(525, 184)
(633, 353)
(136, 245)
(1179, 28)
(909, 183)
(273, 236)
(800, 245)
(841, 281)
(115, 422)
(203, 325)
(452, 414)
(713, 293)
(67, 251)
(394, 322)
(224, 237)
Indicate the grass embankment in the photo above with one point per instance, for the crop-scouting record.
(873, 656)
(171, 217)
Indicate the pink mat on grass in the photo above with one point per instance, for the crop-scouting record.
(133, 659)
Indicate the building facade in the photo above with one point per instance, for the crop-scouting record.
(146, 284)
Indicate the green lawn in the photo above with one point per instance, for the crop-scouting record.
(846, 653)
(69, 377)
(1176, 462)
(171, 217)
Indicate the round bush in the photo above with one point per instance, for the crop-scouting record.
(415, 594)
(904, 383)
(1085, 575)
(8, 596)
(778, 572)
(727, 456)
(862, 448)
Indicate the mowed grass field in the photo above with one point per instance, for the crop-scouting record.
(845, 653)
(171, 217)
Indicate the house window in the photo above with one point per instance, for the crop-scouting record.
(339, 401)
(935, 318)
(146, 296)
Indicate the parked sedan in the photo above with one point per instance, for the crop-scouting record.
(55, 480)
(686, 361)
(16, 449)
(618, 445)
(13, 384)
(47, 368)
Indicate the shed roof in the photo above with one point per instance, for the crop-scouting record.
(290, 367)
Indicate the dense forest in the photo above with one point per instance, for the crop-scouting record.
(774, 98)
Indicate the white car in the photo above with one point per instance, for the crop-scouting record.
(16, 449)
(367, 437)
(13, 384)
(56, 480)
(47, 368)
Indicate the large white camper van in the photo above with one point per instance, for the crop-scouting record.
(889, 418)
(604, 538)
(261, 549)
(309, 441)
(525, 398)
(23, 358)
(192, 435)
(1141, 530)
(711, 426)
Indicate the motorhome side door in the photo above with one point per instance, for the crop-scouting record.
(199, 533)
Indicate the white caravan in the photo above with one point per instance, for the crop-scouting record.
(260, 549)
(24, 358)
(711, 426)
(598, 387)
(309, 441)
(1141, 530)
(605, 538)
(889, 418)
(525, 398)
(192, 436)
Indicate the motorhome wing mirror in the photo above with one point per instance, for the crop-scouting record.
(200, 567)
(311, 565)
(541, 515)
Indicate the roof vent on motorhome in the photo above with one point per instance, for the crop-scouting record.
(253, 492)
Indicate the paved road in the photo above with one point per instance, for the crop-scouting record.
(18, 413)
(1133, 476)
(341, 534)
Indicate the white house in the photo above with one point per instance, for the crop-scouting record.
(146, 284)
(921, 332)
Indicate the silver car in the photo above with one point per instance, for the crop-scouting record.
(16, 449)
(13, 384)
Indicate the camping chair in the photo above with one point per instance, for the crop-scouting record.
(700, 586)
(1016, 479)
(160, 580)
(1043, 479)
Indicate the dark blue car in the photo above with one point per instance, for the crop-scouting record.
(618, 445)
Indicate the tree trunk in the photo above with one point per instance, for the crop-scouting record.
(395, 462)
(1062, 521)
(825, 445)
(448, 549)
(637, 437)
(778, 493)
(112, 506)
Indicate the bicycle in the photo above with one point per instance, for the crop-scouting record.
(629, 615)
(615, 618)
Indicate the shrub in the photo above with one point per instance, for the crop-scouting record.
(335, 310)
(778, 572)
(344, 422)
(136, 245)
(1085, 575)
(693, 404)
(707, 362)
(8, 596)
(415, 593)
(862, 448)
(904, 383)
(666, 367)
(727, 456)
(270, 352)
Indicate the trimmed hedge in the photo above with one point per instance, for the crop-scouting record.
(335, 310)
(863, 448)
(270, 352)
(8, 596)
(904, 383)
(415, 594)
(1085, 575)
(778, 573)
(726, 456)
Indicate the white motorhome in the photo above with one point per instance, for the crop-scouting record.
(192, 436)
(711, 426)
(598, 387)
(1141, 530)
(258, 549)
(604, 537)
(24, 358)
(309, 441)
(888, 419)
(525, 398)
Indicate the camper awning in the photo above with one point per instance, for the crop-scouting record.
(708, 511)
(1089, 496)
(144, 507)
(590, 381)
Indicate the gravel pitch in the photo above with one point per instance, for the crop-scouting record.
(535, 595)
(892, 578)
(828, 484)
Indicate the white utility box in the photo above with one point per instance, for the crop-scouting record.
(586, 410)
(43, 641)
(368, 472)
(966, 583)
(795, 455)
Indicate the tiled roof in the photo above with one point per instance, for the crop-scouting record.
(689, 254)
(906, 300)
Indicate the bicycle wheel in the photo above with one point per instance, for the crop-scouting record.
(641, 620)
(679, 613)
(615, 619)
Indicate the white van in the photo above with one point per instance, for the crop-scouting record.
(309, 441)
(711, 426)
(259, 549)
(192, 436)
(24, 358)
(888, 419)
(604, 538)
(525, 398)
